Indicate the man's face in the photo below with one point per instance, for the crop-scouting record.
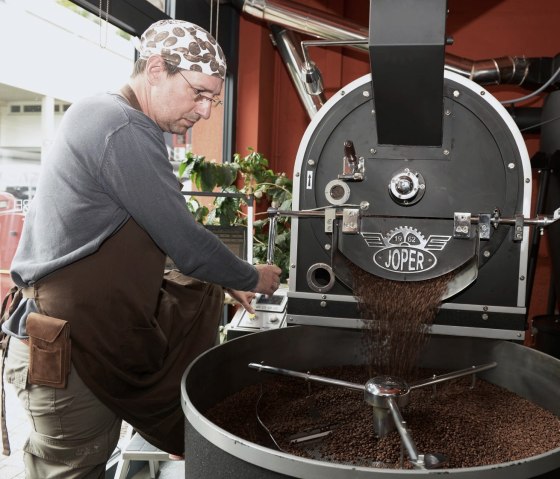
(177, 102)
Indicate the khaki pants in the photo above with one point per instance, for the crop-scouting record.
(73, 434)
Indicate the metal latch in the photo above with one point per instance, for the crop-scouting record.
(518, 231)
(484, 226)
(350, 218)
(462, 225)
(330, 216)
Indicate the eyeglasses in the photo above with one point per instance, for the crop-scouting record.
(200, 98)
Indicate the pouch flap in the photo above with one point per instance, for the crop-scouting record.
(44, 327)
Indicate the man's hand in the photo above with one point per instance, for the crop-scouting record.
(269, 278)
(244, 298)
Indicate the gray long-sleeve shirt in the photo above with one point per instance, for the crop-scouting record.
(109, 163)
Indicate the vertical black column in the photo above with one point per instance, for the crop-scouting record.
(550, 146)
(407, 55)
(198, 11)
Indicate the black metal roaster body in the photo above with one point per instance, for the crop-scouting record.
(401, 219)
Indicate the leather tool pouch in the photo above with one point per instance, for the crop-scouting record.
(49, 350)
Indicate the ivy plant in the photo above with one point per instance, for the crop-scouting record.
(249, 175)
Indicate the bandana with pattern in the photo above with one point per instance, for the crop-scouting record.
(184, 45)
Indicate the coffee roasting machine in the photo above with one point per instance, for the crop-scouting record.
(411, 173)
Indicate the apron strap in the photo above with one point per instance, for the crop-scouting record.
(6, 450)
(12, 299)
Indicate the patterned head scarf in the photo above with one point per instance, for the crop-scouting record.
(184, 45)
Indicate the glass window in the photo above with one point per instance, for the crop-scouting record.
(70, 54)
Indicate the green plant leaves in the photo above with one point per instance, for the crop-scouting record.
(252, 171)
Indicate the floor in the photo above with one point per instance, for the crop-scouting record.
(11, 467)
(167, 470)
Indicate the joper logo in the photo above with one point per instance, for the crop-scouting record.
(405, 250)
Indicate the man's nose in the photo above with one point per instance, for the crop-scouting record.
(203, 109)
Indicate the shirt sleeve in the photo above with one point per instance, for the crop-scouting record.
(136, 173)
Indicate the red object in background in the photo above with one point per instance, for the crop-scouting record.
(11, 225)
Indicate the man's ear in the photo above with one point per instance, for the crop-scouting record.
(155, 69)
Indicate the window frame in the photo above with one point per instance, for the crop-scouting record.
(132, 16)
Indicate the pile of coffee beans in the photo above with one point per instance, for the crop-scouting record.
(472, 427)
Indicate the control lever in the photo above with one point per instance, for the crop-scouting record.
(353, 167)
(272, 221)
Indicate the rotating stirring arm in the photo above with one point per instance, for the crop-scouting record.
(307, 376)
(385, 393)
(453, 375)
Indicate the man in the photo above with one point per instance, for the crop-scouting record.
(107, 212)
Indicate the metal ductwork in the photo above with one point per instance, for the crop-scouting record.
(290, 15)
(289, 46)
(303, 19)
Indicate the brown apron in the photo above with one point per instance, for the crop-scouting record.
(132, 334)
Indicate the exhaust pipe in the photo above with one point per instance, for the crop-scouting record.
(303, 19)
(511, 70)
(289, 46)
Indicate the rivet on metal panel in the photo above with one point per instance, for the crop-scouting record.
(310, 162)
(327, 246)
(484, 316)
(323, 304)
(365, 93)
(456, 93)
(511, 166)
